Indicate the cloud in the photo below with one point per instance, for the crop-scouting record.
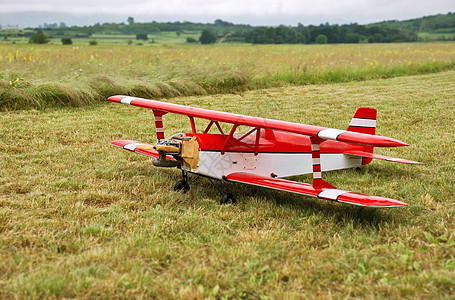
(284, 10)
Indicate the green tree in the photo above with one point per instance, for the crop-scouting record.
(376, 38)
(363, 39)
(321, 39)
(67, 41)
(130, 20)
(142, 36)
(39, 38)
(208, 37)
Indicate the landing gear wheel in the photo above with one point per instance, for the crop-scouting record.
(182, 185)
(228, 199)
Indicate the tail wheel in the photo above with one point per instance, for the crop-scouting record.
(228, 199)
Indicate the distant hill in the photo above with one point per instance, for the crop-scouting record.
(437, 23)
(437, 27)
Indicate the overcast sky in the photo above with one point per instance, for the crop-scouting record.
(255, 12)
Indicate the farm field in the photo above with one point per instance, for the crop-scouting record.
(41, 76)
(158, 38)
(81, 218)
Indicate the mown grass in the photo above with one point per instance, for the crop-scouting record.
(80, 218)
(52, 75)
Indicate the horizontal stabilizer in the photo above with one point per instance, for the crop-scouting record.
(383, 157)
(138, 147)
(309, 190)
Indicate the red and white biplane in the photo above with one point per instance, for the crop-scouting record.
(269, 151)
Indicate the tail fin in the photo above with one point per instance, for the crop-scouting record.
(364, 121)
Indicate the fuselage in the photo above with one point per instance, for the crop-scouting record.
(274, 154)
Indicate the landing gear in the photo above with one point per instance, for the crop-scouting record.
(228, 199)
(182, 185)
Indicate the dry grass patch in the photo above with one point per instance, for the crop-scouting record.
(54, 75)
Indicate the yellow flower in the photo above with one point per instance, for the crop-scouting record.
(14, 83)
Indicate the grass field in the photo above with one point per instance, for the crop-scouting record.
(427, 36)
(80, 218)
(158, 38)
(41, 76)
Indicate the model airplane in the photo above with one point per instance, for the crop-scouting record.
(270, 150)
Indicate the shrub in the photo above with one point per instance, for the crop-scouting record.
(67, 41)
(39, 38)
(93, 42)
(142, 36)
(191, 40)
(207, 37)
(321, 39)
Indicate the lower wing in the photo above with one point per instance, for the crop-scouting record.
(309, 190)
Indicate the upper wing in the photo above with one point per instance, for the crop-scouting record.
(309, 190)
(309, 130)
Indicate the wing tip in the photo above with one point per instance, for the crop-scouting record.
(370, 201)
(375, 206)
(116, 98)
(369, 140)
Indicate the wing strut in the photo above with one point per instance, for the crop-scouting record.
(318, 182)
(231, 134)
(210, 126)
(158, 114)
(193, 125)
(256, 145)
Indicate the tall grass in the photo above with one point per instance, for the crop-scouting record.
(53, 75)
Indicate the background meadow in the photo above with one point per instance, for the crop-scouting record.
(41, 76)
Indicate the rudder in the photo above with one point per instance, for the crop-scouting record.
(364, 121)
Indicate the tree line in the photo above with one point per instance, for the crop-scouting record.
(219, 27)
(219, 30)
(322, 34)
